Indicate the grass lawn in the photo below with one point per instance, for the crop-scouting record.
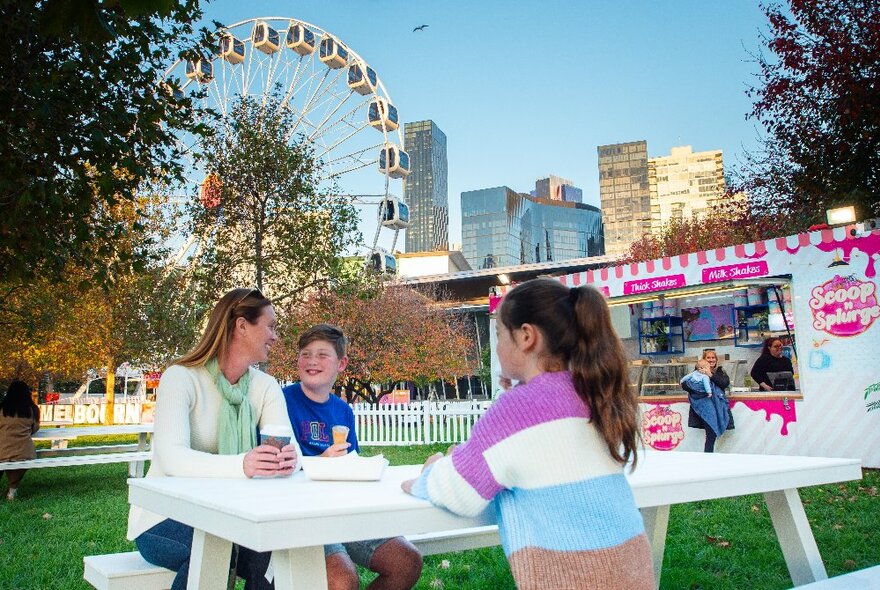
(62, 514)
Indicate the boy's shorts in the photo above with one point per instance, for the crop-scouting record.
(360, 552)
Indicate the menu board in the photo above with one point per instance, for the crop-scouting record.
(715, 322)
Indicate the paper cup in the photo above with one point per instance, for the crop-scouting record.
(275, 435)
(340, 434)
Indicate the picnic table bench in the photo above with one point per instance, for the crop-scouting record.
(60, 455)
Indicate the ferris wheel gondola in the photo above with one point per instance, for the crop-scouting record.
(333, 53)
(231, 49)
(300, 39)
(334, 109)
(265, 38)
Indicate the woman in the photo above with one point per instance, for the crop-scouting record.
(209, 405)
(720, 379)
(770, 361)
(19, 420)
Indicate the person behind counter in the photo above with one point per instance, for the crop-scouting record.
(770, 361)
(209, 405)
(19, 420)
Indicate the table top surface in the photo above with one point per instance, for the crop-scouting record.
(271, 513)
(66, 432)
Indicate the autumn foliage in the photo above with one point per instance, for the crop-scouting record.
(732, 222)
(396, 334)
(818, 102)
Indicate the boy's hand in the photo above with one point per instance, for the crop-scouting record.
(407, 485)
(336, 450)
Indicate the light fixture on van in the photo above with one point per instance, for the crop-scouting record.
(503, 279)
(840, 216)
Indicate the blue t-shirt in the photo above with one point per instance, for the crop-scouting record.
(312, 421)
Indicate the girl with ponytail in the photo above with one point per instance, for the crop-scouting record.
(550, 452)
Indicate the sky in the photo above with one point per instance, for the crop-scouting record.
(523, 90)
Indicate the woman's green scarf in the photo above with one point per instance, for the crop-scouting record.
(237, 432)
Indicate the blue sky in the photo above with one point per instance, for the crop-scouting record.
(527, 89)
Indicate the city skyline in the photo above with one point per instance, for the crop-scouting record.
(537, 95)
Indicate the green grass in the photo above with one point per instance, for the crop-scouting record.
(65, 513)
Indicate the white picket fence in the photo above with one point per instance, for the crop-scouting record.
(416, 423)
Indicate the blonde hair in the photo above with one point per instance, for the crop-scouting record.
(713, 351)
(238, 303)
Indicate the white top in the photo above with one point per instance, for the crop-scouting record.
(185, 430)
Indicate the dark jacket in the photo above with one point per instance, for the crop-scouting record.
(722, 380)
(767, 363)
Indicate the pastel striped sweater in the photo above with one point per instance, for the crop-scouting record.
(565, 511)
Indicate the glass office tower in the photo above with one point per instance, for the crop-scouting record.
(425, 189)
(500, 227)
(625, 194)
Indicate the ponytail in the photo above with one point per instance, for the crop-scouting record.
(600, 372)
(576, 325)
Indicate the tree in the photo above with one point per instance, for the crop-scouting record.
(729, 223)
(62, 329)
(81, 128)
(819, 104)
(262, 217)
(397, 334)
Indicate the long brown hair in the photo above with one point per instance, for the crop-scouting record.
(238, 303)
(577, 329)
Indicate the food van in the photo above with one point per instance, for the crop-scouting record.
(816, 291)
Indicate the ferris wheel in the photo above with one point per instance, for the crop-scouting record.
(340, 105)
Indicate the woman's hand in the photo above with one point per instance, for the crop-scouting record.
(766, 387)
(407, 485)
(268, 461)
(336, 450)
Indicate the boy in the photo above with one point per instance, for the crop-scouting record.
(313, 412)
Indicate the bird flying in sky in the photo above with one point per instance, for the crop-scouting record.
(420, 28)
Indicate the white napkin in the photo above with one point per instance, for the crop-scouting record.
(350, 467)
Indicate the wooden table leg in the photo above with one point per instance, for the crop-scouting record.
(656, 522)
(209, 562)
(795, 537)
(300, 569)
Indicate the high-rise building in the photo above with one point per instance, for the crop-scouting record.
(500, 227)
(685, 183)
(624, 194)
(425, 189)
(556, 188)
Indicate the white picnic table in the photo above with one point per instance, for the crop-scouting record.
(294, 517)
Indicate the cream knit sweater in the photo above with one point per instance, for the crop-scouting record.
(185, 434)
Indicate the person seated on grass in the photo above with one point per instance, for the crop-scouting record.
(550, 453)
(314, 410)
